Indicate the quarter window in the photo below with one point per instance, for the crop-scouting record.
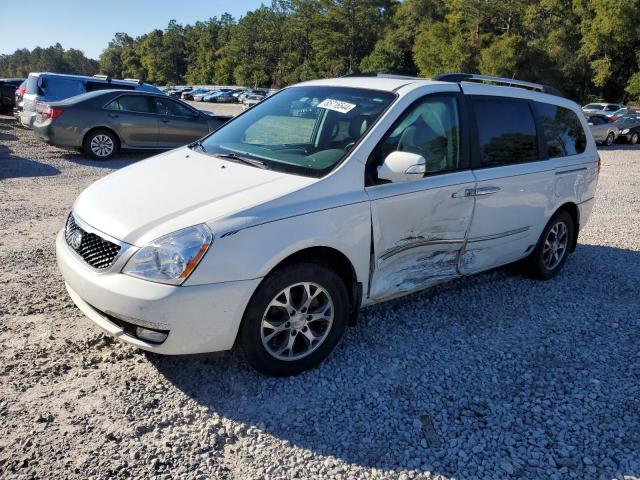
(506, 131)
(130, 103)
(561, 129)
(429, 128)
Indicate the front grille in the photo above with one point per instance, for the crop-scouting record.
(95, 250)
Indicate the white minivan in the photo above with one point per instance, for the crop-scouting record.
(327, 196)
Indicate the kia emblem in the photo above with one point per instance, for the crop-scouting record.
(76, 240)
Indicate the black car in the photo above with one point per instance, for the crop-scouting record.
(8, 87)
(629, 126)
(105, 121)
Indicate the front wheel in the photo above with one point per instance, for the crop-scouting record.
(294, 320)
(610, 138)
(634, 139)
(552, 250)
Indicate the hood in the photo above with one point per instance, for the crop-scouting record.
(177, 189)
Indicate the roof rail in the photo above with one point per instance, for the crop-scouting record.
(137, 80)
(397, 76)
(472, 77)
(103, 77)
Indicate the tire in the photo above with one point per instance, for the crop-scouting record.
(609, 140)
(101, 144)
(634, 138)
(267, 326)
(552, 250)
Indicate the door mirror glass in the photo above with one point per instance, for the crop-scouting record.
(401, 167)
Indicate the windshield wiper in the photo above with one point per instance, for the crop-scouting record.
(197, 144)
(249, 161)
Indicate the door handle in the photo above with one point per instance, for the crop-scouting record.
(467, 192)
(485, 191)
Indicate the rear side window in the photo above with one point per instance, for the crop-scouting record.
(32, 85)
(506, 131)
(92, 86)
(561, 129)
(61, 88)
(131, 103)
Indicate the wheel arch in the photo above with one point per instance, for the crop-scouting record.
(338, 262)
(573, 210)
(111, 130)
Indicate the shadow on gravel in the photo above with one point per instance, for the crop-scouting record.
(119, 161)
(491, 376)
(12, 166)
(620, 146)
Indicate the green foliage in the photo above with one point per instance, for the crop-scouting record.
(586, 48)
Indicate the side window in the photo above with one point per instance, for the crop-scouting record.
(130, 103)
(506, 131)
(430, 128)
(595, 120)
(561, 129)
(60, 88)
(169, 107)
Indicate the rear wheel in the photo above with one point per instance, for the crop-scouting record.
(610, 138)
(634, 138)
(101, 144)
(295, 319)
(552, 250)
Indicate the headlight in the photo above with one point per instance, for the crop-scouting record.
(625, 131)
(171, 258)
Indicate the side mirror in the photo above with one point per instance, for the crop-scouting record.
(590, 124)
(401, 167)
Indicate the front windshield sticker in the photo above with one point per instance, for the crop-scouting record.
(336, 105)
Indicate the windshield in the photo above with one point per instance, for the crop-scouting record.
(593, 106)
(302, 130)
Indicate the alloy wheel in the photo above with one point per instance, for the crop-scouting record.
(101, 145)
(610, 139)
(555, 245)
(297, 321)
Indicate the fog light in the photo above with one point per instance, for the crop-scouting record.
(151, 335)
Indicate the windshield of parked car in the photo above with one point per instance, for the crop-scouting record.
(301, 130)
(593, 106)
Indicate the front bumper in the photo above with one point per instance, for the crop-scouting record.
(199, 319)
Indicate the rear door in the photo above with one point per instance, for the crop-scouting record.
(599, 127)
(179, 125)
(420, 227)
(515, 182)
(133, 118)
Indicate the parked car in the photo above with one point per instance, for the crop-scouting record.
(52, 87)
(103, 122)
(250, 100)
(8, 87)
(207, 98)
(610, 110)
(199, 96)
(272, 231)
(188, 95)
(629, 127)
(19, 101)
(177, 92)
(603, 129)
(221, 97)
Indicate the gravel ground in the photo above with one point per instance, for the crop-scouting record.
(494, 376)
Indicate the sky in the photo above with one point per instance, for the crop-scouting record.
(89, 25)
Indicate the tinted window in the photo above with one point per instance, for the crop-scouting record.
(93, 86)
(168, 107)
(612, 108)
(593, 106)
(131, 103)
(429, 128)
(506, 131)
(61, 88)
(562, 130)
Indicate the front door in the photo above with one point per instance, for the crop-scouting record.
(178, 125)
(133, 118)
(420, 227)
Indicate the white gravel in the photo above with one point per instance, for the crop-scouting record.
(519, 379)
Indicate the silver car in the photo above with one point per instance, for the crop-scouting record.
(603, 129)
